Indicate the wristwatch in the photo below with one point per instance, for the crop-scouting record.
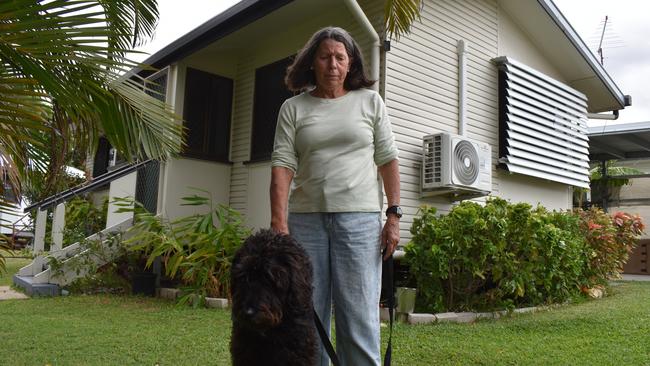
(395, 210)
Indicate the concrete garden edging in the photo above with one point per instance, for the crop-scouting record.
(462, 317)
(210, 302)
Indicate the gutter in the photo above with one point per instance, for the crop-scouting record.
(567, 29)
(363, 20)
(611, 117)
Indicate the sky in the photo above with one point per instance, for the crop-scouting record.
(626, 46)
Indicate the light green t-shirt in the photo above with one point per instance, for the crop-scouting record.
(334, 146)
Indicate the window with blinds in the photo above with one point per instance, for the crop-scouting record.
(542, 125)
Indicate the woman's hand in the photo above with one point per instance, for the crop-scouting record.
(390, 236)
(280, 227)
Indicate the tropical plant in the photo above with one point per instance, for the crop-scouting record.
(603, 187)
(399, 15)
(198, 249)
(63, 73)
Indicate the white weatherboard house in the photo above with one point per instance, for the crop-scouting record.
(510, 77)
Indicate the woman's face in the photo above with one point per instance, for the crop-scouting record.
(331, 64)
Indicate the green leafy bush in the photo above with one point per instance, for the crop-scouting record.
(82, 219)
(198, 248)
(502, 255)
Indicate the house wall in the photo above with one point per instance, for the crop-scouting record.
(422, 94)
(180, 176)
(420, 89)
(120, 188)
(515, 43)
(186, 174)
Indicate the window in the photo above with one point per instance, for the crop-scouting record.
(270, 93)
(7, 190)
(207, 110)
(542, 126)
(157, 84)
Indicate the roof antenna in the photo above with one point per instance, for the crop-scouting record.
(600, 43)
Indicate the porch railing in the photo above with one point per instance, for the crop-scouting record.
(144, 187)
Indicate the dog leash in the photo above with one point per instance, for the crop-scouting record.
(391, 304)
(326, 341)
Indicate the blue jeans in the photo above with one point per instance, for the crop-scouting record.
(345, 252)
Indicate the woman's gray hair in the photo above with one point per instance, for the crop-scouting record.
(300, 75)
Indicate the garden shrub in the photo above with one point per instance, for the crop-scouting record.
(503, 255)
(610, 239)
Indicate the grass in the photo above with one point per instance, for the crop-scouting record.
(610, 331)
(123, 330)
(13, 265)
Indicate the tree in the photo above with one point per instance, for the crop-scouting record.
(62, 73)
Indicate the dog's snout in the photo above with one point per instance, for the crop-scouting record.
(250, 311)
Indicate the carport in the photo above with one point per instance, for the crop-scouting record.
(629, 145)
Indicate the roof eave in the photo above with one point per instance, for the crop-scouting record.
(232, 19)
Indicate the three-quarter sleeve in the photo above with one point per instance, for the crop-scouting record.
(385, 147)
(284, 152)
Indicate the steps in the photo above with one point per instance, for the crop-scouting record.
(35, 289)
(37, 279)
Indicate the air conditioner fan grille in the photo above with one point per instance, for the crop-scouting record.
(466, 162)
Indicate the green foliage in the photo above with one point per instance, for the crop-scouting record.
(93, 254)
(596, 174)
(198, 249)
(399, 15)
(3, 260)
(82, 219)
(502, 255)
(63, 86)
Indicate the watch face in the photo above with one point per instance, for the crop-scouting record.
(394, 210)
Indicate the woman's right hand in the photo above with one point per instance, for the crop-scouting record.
(280, 227)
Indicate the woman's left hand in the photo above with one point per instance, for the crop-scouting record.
(390, 236)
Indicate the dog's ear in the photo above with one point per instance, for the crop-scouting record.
(301, 291)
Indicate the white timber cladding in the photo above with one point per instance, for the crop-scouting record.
(271, 48)
(543, 126)
(422, 88)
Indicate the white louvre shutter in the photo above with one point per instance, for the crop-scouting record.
(543, 125)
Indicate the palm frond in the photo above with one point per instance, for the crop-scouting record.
(61, 67)
(399, 15)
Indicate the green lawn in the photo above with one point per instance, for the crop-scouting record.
(13, 265)
(115, 330)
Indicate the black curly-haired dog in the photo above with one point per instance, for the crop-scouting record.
(272, 311)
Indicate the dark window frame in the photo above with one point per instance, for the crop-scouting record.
(266, 106)
(216, 115)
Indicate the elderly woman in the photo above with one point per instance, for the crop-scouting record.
(330, 141)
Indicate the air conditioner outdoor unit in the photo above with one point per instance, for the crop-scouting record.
(456, 165)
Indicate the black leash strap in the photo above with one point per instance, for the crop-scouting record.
(391, 306)
(326, 341)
